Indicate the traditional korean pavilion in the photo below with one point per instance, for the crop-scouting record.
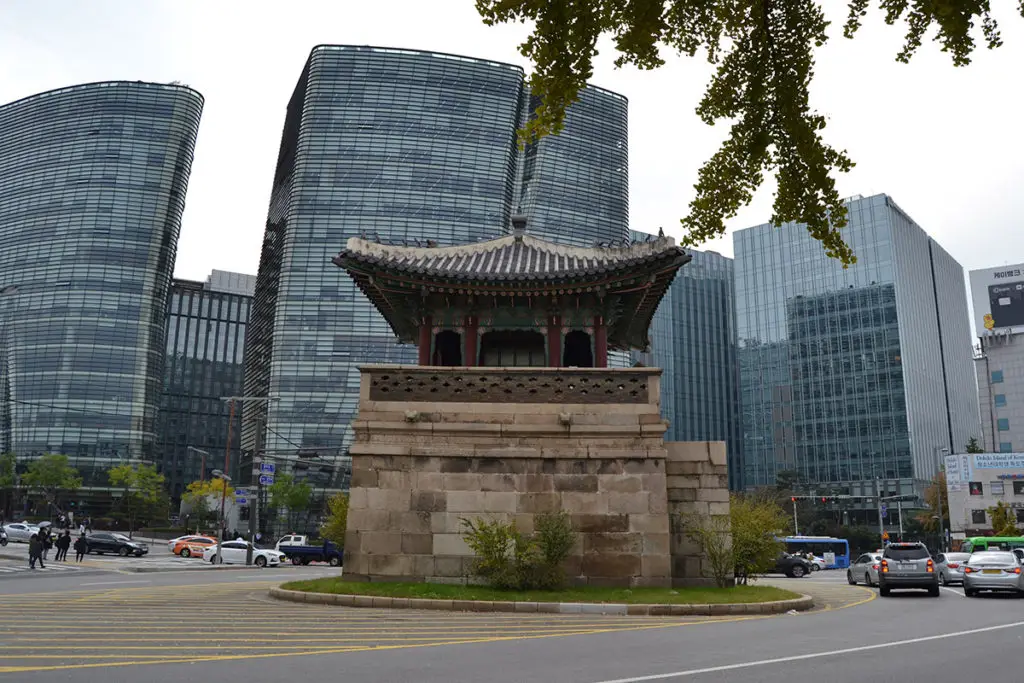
(515, 301)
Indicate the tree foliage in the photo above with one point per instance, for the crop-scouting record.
(207, 488)
(931, 502)
(337, 519)
(509, 559)
(288, 494)
(764, 54)
(1004, 520)
(757, 523)
(143, 497)
(50, 475)
(8, 469)
(973, 447)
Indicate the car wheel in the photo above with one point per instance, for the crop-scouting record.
(185, 552)
(213, 559)
(3, 542)
(305, 561)
(123, 552)
(945, 579)
(849, 578)
(815, 567)
(969, 592)
(867, 580)
(883, 591)
(260, 561)
(334, 561)
(934, 591)
(798, 571)
(296, 561)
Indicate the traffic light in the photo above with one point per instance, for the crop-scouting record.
(824, 499)
(792, 498)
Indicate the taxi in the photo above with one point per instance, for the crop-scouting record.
(192, 546)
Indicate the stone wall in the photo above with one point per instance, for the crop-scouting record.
(697, 483)
(424, 459)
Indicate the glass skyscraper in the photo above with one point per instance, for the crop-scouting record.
(206, 324)
(693, 341)
(401, 145)
(849, 376)
(92, 188)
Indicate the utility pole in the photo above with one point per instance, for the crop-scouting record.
(227, 451)
(796, 524)
(881, 521)
(939, 485)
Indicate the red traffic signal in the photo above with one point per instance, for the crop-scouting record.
(824, 499)
(793, 498)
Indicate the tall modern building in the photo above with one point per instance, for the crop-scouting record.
(852, 376)
(206, 324)
(400, 145)
(998, 301)
(693, 341)
(92, 188)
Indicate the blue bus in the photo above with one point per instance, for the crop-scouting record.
(819, 546)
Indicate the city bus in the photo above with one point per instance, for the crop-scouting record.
(977, 543)
(821, 546)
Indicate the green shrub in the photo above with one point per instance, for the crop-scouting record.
(508, 559)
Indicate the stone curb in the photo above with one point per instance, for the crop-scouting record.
(804, 602)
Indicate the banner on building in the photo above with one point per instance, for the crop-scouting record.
(998, 298)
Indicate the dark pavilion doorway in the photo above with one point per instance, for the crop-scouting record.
(513, 349)
(578, 352)
(448, 348)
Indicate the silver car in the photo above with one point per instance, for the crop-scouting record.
(993, 570)
(20, 532)
(950, 567)
(864, 570)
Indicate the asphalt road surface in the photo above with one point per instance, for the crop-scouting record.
(220, 625)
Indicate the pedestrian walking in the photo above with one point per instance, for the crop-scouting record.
(81, 546)
(46, 543)
(35, 550)
(63, 543)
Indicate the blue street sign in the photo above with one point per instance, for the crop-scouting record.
(266, 480)
(267, 468)
(241, 493)
(885, 509)
(242, 501)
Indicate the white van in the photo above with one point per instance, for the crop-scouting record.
(291, 540)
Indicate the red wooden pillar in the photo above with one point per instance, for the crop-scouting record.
(426, 331)
(469, 343)
(554, 341)
(600, 343)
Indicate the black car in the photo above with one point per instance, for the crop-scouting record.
(792, 566)
(105, 542)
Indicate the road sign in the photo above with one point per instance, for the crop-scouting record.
(241, 493)
(266, 480)
(267, 468)
(885, 509)
(885, 536)
(241, 501)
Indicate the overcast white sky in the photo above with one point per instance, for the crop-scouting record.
(947, 144)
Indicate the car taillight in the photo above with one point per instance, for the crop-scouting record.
(1015, 570)
(931, 566)
(953, 565)
(875, 567)
(885, 566)
(968, 570)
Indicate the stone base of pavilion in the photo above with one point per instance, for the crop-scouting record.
(436, 445)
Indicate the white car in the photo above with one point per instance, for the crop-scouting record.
(818, 563)
(235, 552)
(20, 532)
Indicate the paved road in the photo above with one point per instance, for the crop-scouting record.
(187, 626)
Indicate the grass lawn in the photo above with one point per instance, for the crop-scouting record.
(437, 591)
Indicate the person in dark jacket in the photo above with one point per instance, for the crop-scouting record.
(63, 543)
(46, 540)
(35, 552)
(81, 546)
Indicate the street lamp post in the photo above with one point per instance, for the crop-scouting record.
(226, 481)
(202, 461)
(939, 485)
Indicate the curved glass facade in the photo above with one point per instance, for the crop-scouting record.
(403, 145)
(575, 185)
(92, 188)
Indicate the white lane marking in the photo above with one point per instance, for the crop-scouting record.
(953, 591)
(814, 655)
(110, 583)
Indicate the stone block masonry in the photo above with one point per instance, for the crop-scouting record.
(422, 465)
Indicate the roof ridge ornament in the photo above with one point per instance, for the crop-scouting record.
(518, 226)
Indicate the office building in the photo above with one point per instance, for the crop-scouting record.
(852, 376)
(206, 324)
(400, 145)
(92, 187)
(693, 341)
(976, 483)
(998, 298)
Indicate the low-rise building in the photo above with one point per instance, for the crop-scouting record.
(976, 483)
